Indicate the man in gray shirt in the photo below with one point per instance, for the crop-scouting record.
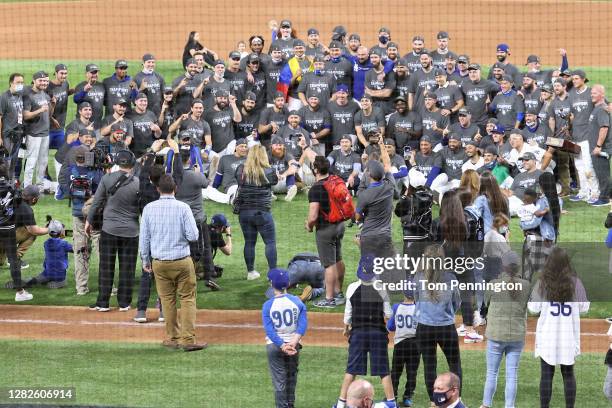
(11, 120)
(375, 208)
(37, 107)
(118, 86)
(118, 194)
(342, 112)
(189, 191)
(221, 119)
(600, 138)
(151, 83)
(92, 91)
(225, 184)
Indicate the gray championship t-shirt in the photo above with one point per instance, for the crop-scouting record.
(476, 98)
(375, 203)
(143, 135)
(421, 82)
(197, 128)
(95, 97)
(190, 192)
(600, 118)
(373, 82)
(184, 97)
(507, 107)
(452, 162)
(342, 72)
(60, 92)
(342, 119)
(465, 133)
(581, 107)
(428, 120)
(373, 121)
(343, 164)
(320, 85)
(154, 90)
(115, 90)
(399, 127)
(227, 168)
(32, 101)
(221, 127)
(523, 181)
(425, 163)
(11, 111)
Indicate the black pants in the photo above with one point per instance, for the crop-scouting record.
(8, 242)
(201, 251)
(405, 354)
(428, 338)
(601, 165)
(144, 291)
(547, 372)
(467, 297)
(126, 248)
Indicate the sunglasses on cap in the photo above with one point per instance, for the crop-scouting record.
(123, 67)
(235, 58)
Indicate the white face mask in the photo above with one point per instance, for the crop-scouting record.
(503, 229)
(19, 88)
(147, 71)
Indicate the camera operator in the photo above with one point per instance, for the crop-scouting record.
(8, 242)
(118, 195)
(189, 191)
(113, 143)
(220, 239)
(79, 182)
(11, 121)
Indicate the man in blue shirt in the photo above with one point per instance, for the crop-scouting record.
(166, 229)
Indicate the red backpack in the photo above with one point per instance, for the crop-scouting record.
(341, 206)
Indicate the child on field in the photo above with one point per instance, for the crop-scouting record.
(405, 350)
(56, 258)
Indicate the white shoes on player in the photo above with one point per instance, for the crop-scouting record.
(252, 275)
(23, 296)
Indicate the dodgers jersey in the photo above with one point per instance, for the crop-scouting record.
(283, 316)
(402, 322)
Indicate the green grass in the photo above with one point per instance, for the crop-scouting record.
(583, 224)
(142, 375)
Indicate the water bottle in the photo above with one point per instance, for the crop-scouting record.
(604, 155)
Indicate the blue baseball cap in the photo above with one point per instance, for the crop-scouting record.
(365, 269)
(342, 88)
(503, 47)
(279, 278)
(219, 220)
(499, 129)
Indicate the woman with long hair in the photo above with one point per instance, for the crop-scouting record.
(452, 231)
(506, 328)
(193, 46)
(559, 297)
(490, 200)
(470, 180)
(253, 203)
(436, 305)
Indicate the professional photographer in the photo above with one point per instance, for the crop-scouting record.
(9, 199)
(114, 142)
(189, 191)
(118, 199)
(11, 122)
(79, 182)
(220, 239)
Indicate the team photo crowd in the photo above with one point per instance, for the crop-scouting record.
(456, 153)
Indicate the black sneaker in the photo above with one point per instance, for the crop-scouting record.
(214, 286)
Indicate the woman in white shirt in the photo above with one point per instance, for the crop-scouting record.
(559, 297)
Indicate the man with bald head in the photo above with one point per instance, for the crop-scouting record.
(447, 390)
(360, 394)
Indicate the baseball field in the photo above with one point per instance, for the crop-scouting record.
(110, 360)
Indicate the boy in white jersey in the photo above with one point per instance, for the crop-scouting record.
(285, 322)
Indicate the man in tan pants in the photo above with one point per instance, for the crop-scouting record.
(166, 229)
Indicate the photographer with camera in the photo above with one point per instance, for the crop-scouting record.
(11, 121)
(79, 182)
(9, 200)
(117, 198)
(112, 144)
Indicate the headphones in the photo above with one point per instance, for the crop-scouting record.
(125, 158)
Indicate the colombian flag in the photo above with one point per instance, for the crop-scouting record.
(288, 71)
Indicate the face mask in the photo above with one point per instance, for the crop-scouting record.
(439, 398)
(383, 39)
(501, 58)
(19, 88)
(530, 124)
(318, 72)
(503, 229)
(147, 71)
(337, 59)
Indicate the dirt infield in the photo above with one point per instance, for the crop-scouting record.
(109, 29)
(214, 327)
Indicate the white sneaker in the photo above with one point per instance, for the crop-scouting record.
(253, 275)
(479, 320)
(472, 337)
(461, 331)
(124, 309)
(23, 296)
(291, 192)
(274, 197)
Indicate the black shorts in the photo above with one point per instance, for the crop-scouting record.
(368, 341)
(329, 243)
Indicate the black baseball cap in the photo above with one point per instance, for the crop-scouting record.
(298, 43)
(527, 156)
(148, 57)
(275, 47)
(312, 31)
(191, 61)
(252, 58)
(339, 30)
(530, 75)
(454, 136)
(222, 93)
(241, 141)
(168, 90)
(463, 58)
(355, 36)
(389, 142)
(61, 67)
(392, 44)
(442, 34)
(277, 140)
(473, 67)
(279, 94)
(234, 55)
(440, 72)
(121, 101)
(401, 63)
(399, 98)
(121, 64)
(285, 24)
(40, 75)
(547, 88)
(84, 105)
(431, 95)
(346, 137)
(218, 62)
(507, 78)
(335, 44)
(418, 38)
(384, 30)
(91, 68)
(141, 95)
(532, 58)
(581, 74)
(250, 96)
(87, 132)
(463, 111)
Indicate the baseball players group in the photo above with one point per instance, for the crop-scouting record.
(420, 125)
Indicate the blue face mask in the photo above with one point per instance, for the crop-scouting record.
(318, 72)
(337, 59)
(439, 398)
(383, 39)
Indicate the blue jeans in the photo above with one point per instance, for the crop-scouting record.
(253, 222)
(495, 352)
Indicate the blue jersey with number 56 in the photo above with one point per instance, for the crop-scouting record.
(283, 316)
(402, 322)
